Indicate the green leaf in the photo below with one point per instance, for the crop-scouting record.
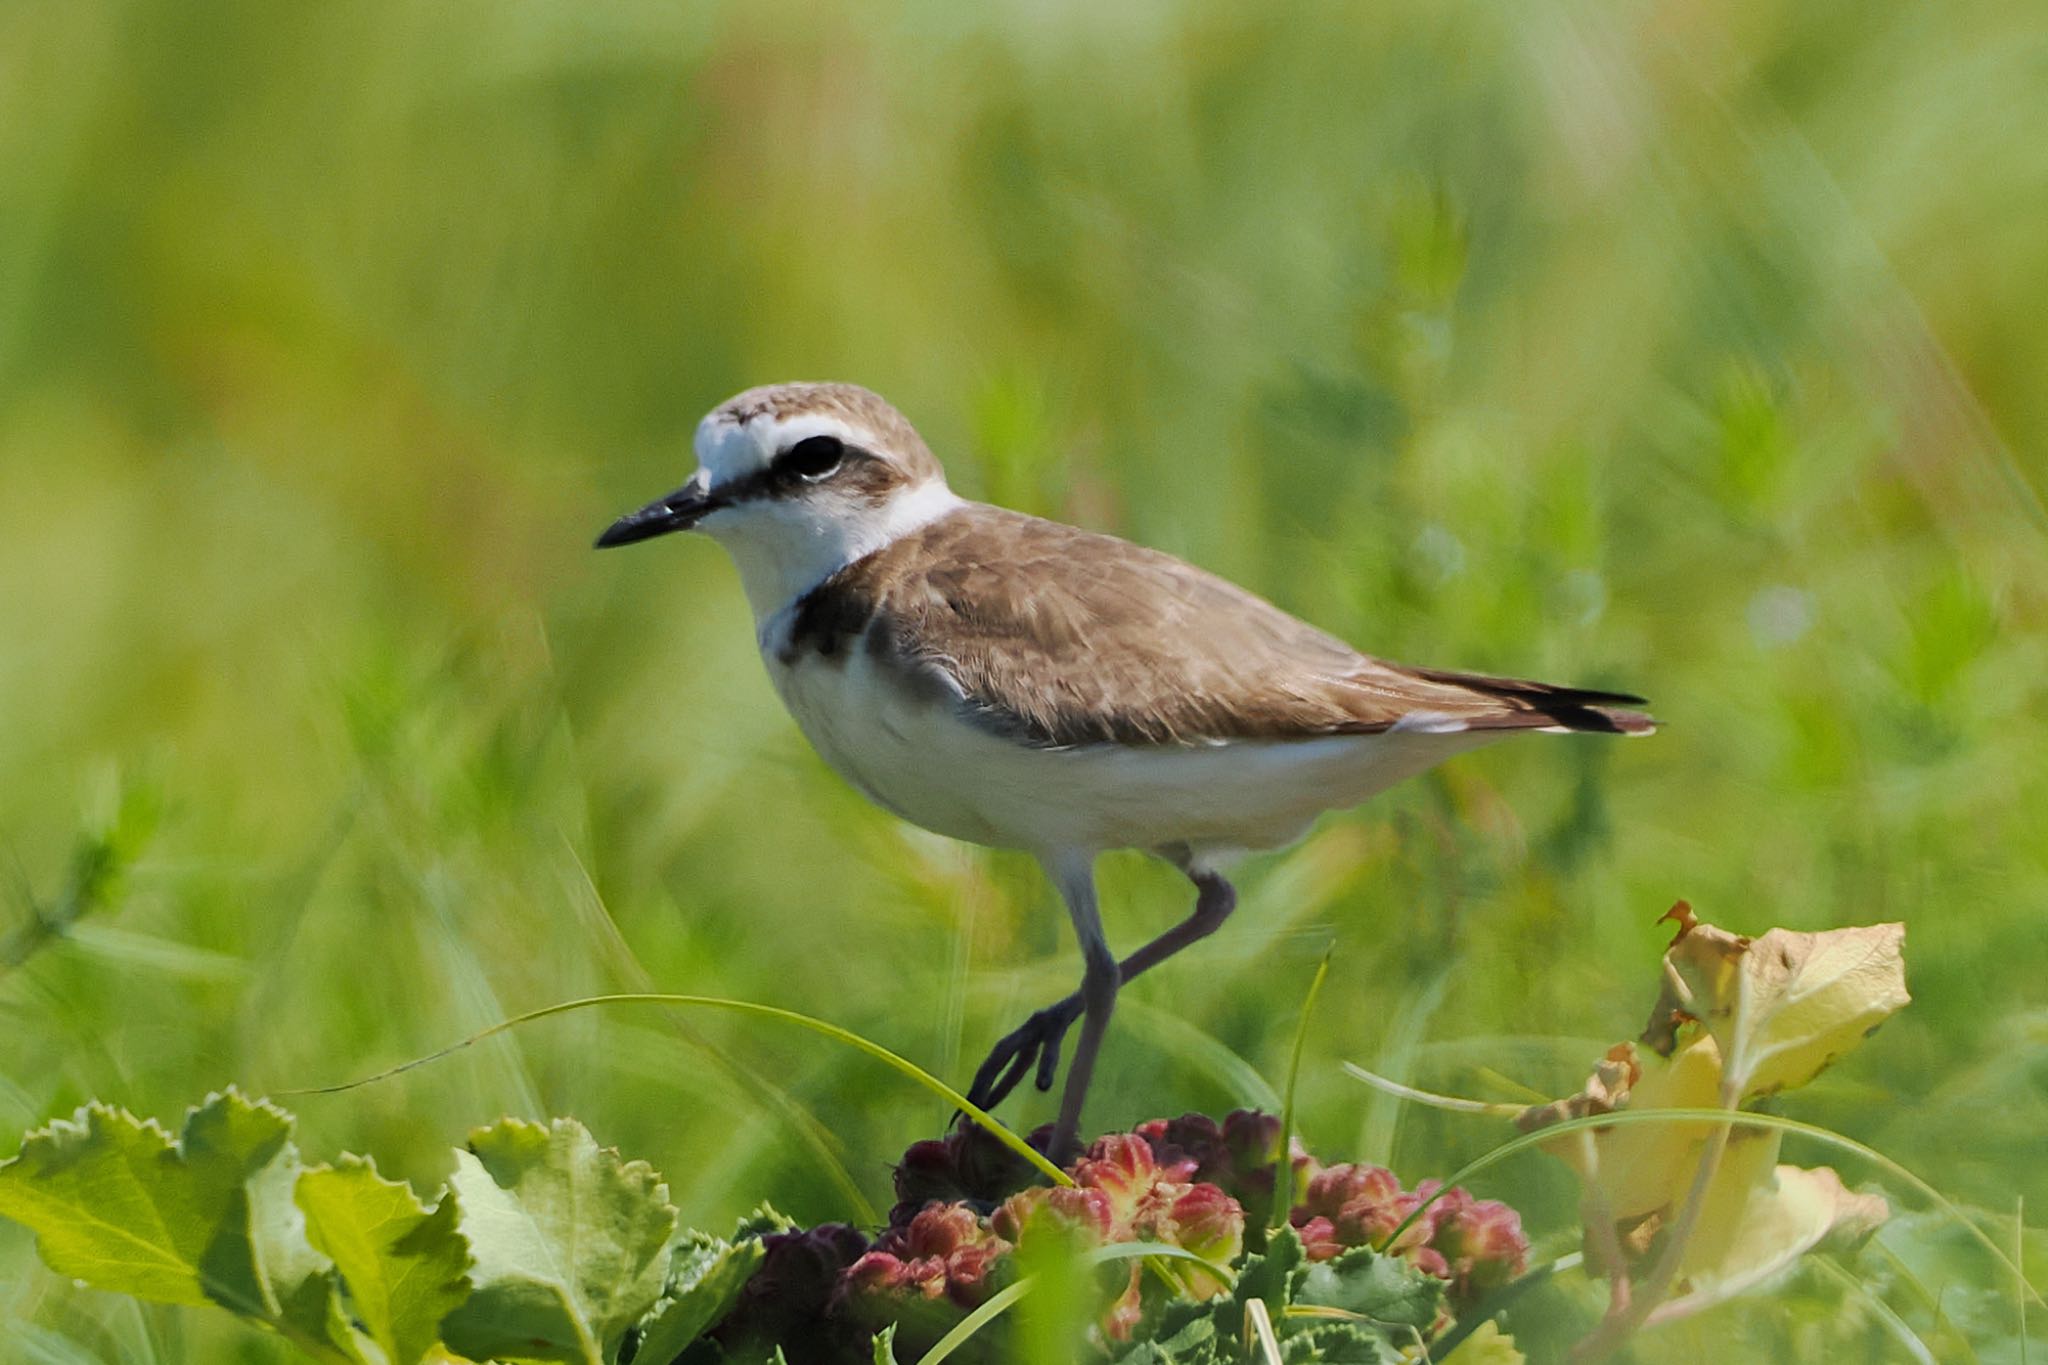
(885, 1346)
(1268, 1277)
(111, 1203)
(1186, 1335)
(296, 1279)
(404, 1265)
(1382, 1288)
(570, 1244)
(764, 1220)
(1338, 1343)
(1206, 1333)
(115, 1202)
(705, 1276)
(1351, 1298)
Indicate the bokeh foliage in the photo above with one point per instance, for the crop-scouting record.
(1692, 348)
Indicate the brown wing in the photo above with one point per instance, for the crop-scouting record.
(1059, 637)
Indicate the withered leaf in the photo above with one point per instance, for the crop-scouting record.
(1784, 1005)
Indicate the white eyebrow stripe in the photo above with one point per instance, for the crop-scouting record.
(729, 451)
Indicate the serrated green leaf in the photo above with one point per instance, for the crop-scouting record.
(1382, 1288)
(294, 1275)
(404, 1265)
(569, 1242)
(1198, 1336)
(1269, 1276)
(1360, 1304)
(238, 1154)
(764, 1220)
(885, 1346)
(111, 1204)
(1185, 1337)
(206, 1219)
(705, 1276)
(1338, 1343)
(1208, 1333)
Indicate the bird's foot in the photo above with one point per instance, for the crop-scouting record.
(1036, 1041)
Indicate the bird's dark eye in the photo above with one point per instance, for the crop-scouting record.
(813, 457)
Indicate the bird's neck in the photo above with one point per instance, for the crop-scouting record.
(782, 559)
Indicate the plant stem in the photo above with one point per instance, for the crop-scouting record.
(1637, 1305)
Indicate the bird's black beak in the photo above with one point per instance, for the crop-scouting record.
(679, 511)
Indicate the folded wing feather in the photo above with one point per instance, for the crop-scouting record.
(1059, 637)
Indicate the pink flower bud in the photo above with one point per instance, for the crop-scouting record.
(1200, 1218)
(1083, 1214)
(1483, 1243)
(945, 1252)
(1363, 1204)
(1319, 1239)
(1121, 1166)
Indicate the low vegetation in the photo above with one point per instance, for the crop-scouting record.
(1188, 1240)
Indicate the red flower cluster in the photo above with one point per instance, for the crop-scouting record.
(967, 1204)
(1237, 1156)
(945, 1252)
(946, 1258)
(1123, 1193)
(1476, 1244)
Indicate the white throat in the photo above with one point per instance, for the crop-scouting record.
(785, 547)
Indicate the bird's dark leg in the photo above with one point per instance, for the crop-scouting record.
(1037, 1040)
(1100, 978)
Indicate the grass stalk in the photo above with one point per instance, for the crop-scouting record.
(820, 1027)
(1283, 1163)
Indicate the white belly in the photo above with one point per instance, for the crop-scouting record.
(919, 759)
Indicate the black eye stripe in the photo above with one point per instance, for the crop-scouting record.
(780, 477)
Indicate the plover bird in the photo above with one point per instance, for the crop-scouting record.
(1025, 684)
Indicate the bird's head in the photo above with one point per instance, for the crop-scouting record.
(796, 481)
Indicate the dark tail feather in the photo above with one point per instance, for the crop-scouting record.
(1542, 705)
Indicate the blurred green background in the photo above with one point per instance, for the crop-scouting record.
(1695, 349)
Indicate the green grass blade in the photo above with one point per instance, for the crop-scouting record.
(1929, 1297)
(1405, 1028)
(1283, 1165)
(1452, 1103)
(746, 1007)
(998, 1304)
(2019, 1261)
(1175, 1037)
(1909, 1340)
(629, 974)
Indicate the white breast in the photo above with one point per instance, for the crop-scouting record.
(920, 759)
